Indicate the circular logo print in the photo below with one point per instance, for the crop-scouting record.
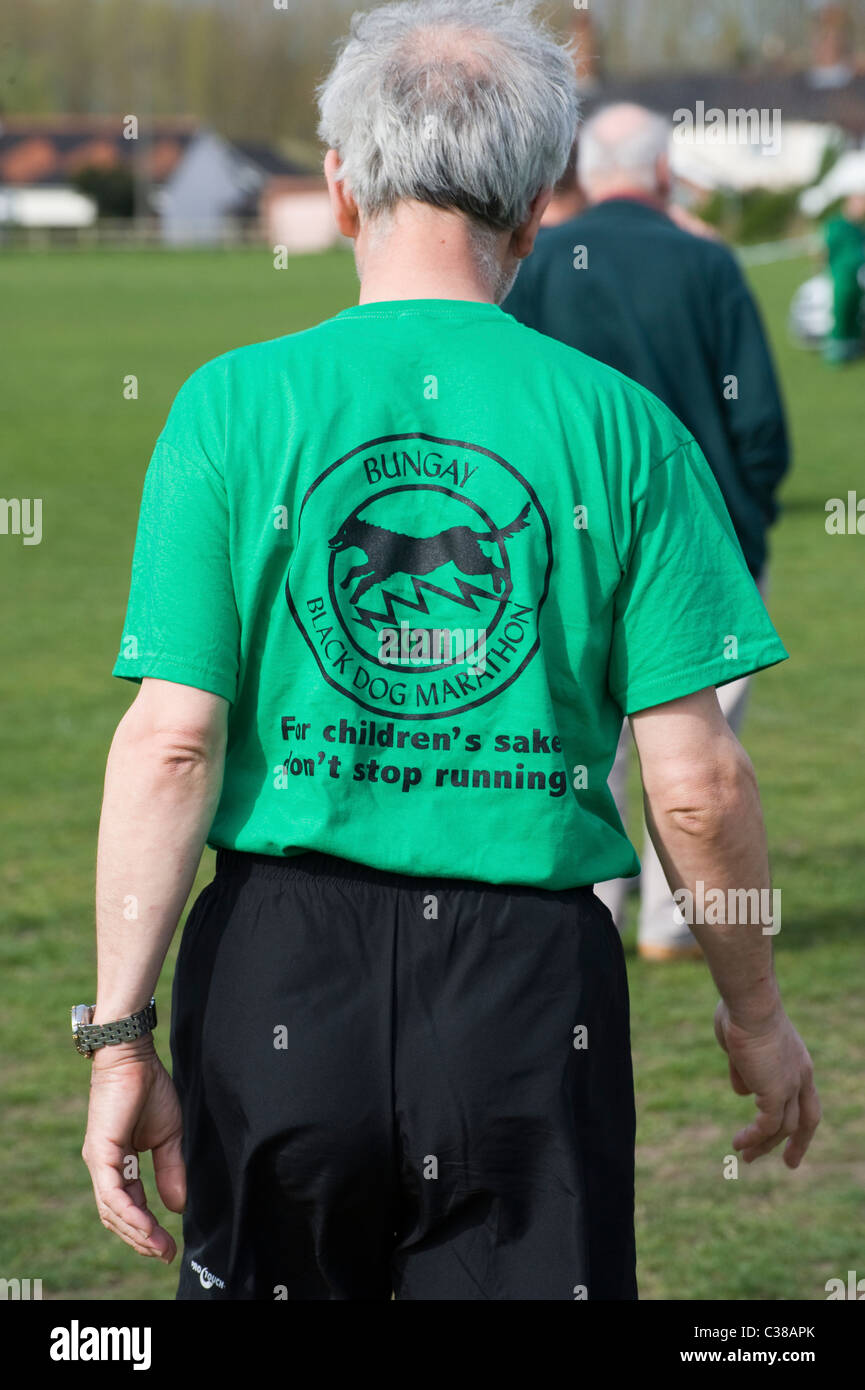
(419, 574)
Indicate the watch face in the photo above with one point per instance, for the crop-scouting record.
(81, 1015)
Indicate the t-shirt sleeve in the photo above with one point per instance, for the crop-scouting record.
(688, 614)
(182, 623)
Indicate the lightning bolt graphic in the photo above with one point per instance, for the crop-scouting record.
(368, 618)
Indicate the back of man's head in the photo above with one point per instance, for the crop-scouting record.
(467, 105)
(624, 149)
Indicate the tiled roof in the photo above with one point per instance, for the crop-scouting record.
(49, 151)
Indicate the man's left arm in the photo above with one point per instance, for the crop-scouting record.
(162, 786)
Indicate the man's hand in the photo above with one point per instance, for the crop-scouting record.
(134, 1107)
(770, 1061)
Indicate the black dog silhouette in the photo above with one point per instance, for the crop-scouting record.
(391, 552)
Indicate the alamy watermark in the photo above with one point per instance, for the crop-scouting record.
(419, 646)
(20, 1289)
(21, 516)
(77, 1343)
(754, 126)
(718, 907)
(845, 517)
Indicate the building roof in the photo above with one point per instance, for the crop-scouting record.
(49, 151)
(268, 160)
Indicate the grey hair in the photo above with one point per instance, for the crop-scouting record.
(469, 105)
(633, 148)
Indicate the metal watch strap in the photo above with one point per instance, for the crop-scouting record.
(89, 1036)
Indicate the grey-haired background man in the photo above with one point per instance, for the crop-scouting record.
(400, 1016)
(627, 283)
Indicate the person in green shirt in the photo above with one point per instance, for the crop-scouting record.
(396, 582)
(845, 251)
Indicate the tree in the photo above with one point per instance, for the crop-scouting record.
(112, 189)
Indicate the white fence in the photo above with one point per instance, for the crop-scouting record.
(128, 234)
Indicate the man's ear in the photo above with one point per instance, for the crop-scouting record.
(344, 207)
(523, 239)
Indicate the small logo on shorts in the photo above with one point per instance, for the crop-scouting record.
(205, 1278)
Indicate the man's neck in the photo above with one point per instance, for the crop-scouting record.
(411, 283)
(420, 253)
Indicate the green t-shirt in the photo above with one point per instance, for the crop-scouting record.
(845, 242)
(432, 557)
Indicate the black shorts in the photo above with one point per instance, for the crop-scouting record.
(398, 1085)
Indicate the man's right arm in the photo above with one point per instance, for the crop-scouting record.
(704, 816)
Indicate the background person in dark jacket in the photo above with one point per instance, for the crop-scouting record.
(627, 285)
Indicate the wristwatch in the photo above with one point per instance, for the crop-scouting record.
(88, 1036)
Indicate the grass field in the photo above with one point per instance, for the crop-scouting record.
(77, 324)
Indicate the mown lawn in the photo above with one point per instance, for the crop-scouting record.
(77, 325)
